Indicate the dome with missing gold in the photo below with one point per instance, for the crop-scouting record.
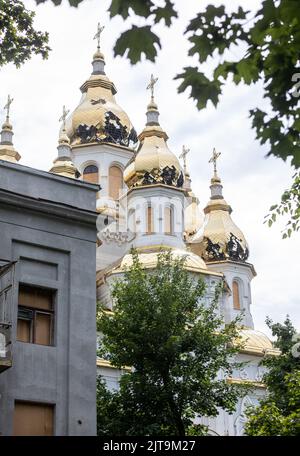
(153, 163)
(98, 118)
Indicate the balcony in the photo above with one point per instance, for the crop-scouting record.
(7, 273)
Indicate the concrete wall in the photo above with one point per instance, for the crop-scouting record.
(48, 225)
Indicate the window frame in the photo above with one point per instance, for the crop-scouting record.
(90, 165)
(238, 294)
(171, 212)
(111, 177)
(33, 318)
(149, 220)
(46, 405)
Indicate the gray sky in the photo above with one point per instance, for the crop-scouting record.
(251, 182)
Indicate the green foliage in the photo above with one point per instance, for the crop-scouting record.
(279, 366)
(18, 39)
(136, 41)
(123, 7)
(269, 419)
(279, 413)
(166, 13)
(202, 89)
(176, 346)
(109, 416)
(271, 40)
(289, 205)
(74, 3)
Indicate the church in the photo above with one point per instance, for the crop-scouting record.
(145, 200)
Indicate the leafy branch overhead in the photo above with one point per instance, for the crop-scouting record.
(18, 38)
(136, 41)
(271, 41)
(289, 205)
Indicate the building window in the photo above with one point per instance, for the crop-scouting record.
(35, 315)
(90, 174)
(33, 418)
(168, 220)
(150, 225)
(236, 295)
(115, 182)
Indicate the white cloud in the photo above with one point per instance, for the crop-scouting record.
(251, 182)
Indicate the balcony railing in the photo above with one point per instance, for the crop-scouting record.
(7, 275)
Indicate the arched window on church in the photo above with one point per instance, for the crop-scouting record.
(115, 182)
(169, 219)
(90, 174)
(150, 224)
(236, 295)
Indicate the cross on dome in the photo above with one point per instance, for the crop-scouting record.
(183, 155)
(213, 160)
(64, 116)
(97, 36)
(7, 106)
(151, 85)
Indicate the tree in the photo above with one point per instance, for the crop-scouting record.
(279, 413)
(289, 204)
(176, 345)
(18, 39)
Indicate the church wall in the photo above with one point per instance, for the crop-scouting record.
(114, 237)
(104, 156)
(157, 197)
(243, 274)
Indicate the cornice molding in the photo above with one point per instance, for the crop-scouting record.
(51, 208)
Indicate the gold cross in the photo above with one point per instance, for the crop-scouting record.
(98, 34)
(151, 84)
(7, 106)
(64, 116)
(213, 160)
(183, 155)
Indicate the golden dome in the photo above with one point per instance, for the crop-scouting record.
(153, 163)
(98, 118)
(149, 260)
(65, 168)
(219, 238)
(63, 164)
(256, 342)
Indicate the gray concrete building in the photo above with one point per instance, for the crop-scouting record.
(47, 303)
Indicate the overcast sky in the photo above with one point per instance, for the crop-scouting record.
(251, 182)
